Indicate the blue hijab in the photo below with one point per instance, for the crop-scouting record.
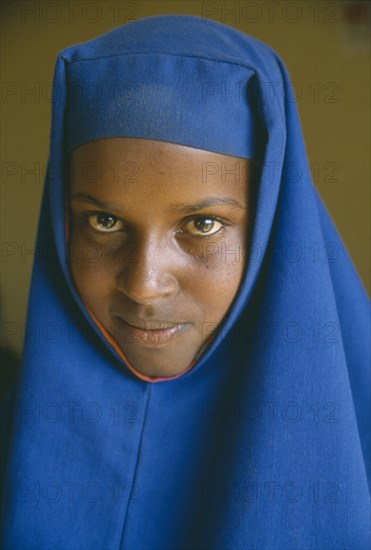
(265, 442)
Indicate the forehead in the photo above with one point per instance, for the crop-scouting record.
(142, 167)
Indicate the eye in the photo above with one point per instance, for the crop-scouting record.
(105, 223)
(204, 225)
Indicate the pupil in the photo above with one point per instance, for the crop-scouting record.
(204, 224)
(106, 221)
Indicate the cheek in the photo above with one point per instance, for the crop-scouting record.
(215, 280)
(93, 273)
(89, 258)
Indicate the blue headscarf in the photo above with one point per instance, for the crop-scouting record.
(265, 442)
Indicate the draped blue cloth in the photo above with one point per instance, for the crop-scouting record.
(265, 442)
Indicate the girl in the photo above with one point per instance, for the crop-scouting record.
(209, 384)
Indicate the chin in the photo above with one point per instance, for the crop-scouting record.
(158, 361)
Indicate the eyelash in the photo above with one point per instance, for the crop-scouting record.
(90, 214)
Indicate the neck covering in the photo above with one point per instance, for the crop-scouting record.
(264, 443)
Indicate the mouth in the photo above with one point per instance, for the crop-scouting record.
(152, 333)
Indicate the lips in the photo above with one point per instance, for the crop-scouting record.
(152, 324)
(152, 333)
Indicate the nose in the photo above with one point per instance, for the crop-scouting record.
(147, 272)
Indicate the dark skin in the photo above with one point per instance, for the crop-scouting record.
(152, 230)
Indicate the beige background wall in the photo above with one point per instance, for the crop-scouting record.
(327, 60)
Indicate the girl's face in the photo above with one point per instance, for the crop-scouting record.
(158, 236)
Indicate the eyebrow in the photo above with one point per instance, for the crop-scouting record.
(93, 200)
(212, 201)
(180, 207)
